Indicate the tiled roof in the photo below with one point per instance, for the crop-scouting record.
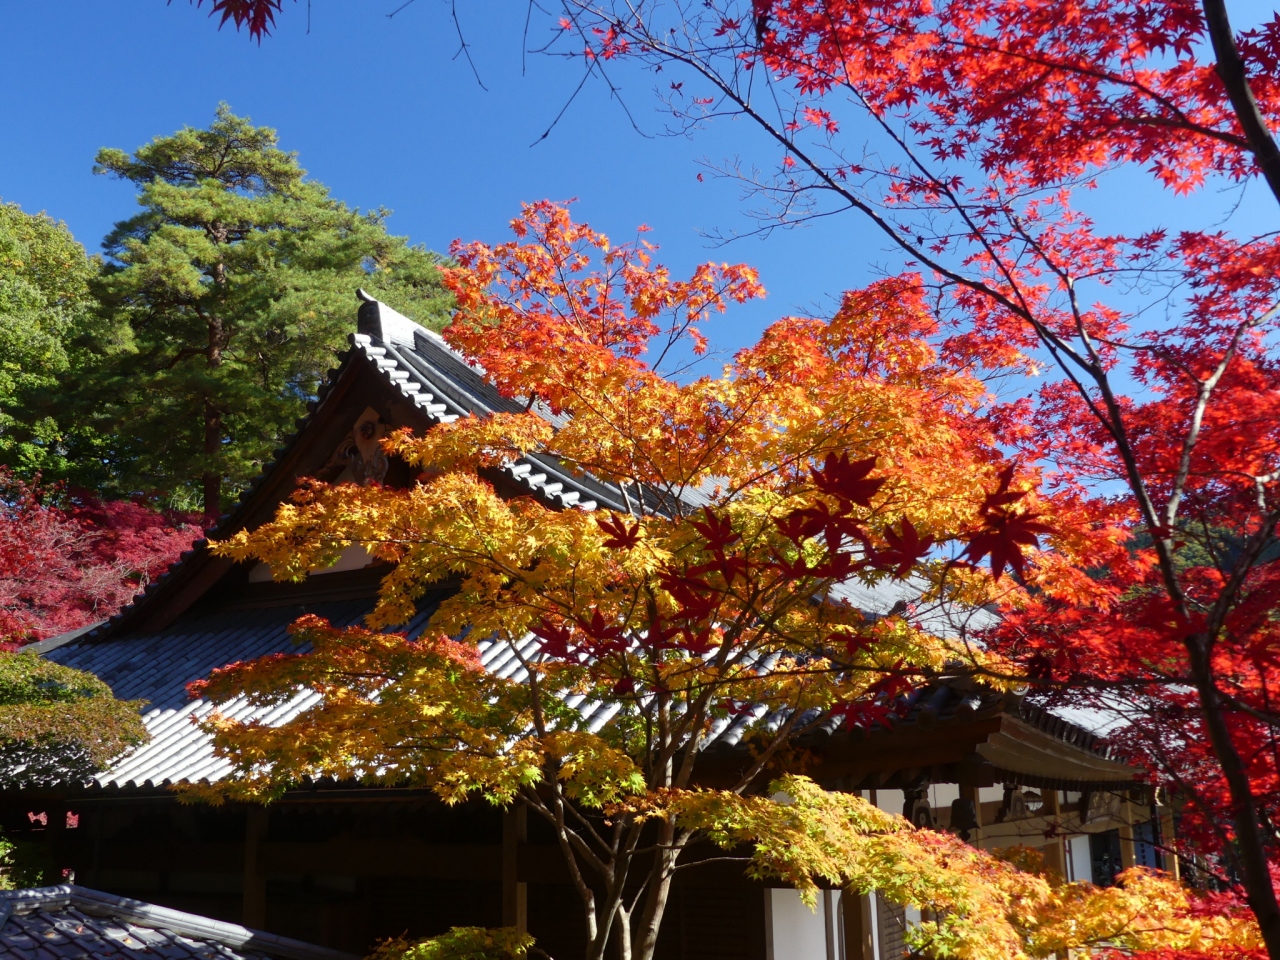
(419, 365)
(74, 923)
(443, 386)
(157, 668)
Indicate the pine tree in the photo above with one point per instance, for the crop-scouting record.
(231, 291)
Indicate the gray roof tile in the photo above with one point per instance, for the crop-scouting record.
(69, 923)
(419, 364)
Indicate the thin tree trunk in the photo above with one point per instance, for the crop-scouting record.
(659, 892)
(211, 480)
(1250, 843)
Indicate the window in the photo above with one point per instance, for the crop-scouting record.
(1104, 855)
(1146, 840)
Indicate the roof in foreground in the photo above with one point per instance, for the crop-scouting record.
(75, 923)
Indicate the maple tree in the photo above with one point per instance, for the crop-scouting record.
(68, 559)
(966, 131)
(257, 17)
(830, 452)
(969, 132)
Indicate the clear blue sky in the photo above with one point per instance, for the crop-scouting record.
(381, 112)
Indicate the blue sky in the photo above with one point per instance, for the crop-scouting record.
(381, 111)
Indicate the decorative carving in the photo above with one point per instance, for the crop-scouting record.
(1100, 805)
(1018, 804)
(1013, 806)
(359, 458)
(369, 465)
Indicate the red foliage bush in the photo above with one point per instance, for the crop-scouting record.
(69, 558)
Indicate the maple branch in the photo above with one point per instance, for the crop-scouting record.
(1203, 393)
(1245, 563)
(828, 181)
(1113, 422)
(463, 47)
(1180, 119)
(781, 735)
(570, 851)
(1269, 719)
(1235, 78)
(1260, 484)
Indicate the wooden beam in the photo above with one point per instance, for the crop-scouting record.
(1055, 853)
(212, 857)
(515, 890)
(254, 908)
(402, 857)
(1167, 840)
(1128, 857)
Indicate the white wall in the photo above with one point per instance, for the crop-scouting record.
(795, 932)
(941, 795)
(890, 801)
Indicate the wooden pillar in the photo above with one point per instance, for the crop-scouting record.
(254, 909)
(1128, 857)
(94, 879)
(1055, 854)
(1167, 839)
(515, 891)
(859, 931)
(974, 794)
(55, 837)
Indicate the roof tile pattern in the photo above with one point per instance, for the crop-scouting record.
(73, 923)
(158, 667)
(443, 385)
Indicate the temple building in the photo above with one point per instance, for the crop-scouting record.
(341, 865)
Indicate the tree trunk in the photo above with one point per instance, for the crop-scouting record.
(1254, 867)
(1250, 842)
(211, 480)
(1231, 71)
(655, 905)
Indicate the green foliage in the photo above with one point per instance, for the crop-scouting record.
(25, 864)
(59, 725)
(231, 290)
(45, 314)
(460, 943)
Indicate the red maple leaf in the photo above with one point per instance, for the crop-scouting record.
(621, 536)
(849, 481)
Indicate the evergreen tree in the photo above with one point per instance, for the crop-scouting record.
(231, 289)
(45, 317)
